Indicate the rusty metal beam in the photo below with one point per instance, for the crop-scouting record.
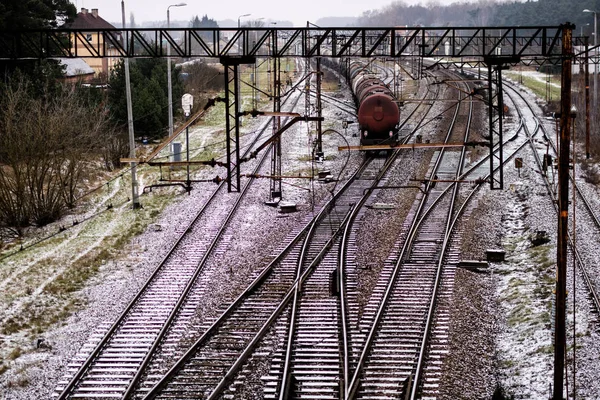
(409, 146)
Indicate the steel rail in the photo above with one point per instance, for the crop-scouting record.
(100, 346)
(249, 290)
(208, 253)
(345, 336)
(71, 385)
(354, 383)
(594, 295)
(434, 295)
(297, 292)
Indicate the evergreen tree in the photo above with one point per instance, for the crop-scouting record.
(205, 22)
(35, 14)
(149, 95)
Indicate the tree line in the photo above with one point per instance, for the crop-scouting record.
(55, 135)
(484, 13)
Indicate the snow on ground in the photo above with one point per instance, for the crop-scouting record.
(35, 355)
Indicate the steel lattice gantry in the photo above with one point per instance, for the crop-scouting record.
(525, 42)
(495, 48)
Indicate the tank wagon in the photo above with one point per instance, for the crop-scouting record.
(378, 112)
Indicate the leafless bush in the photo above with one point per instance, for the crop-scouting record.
(46, 144)
(203, 81)
(115, 145)
(590, 172)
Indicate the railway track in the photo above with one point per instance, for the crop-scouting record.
(583, 204)
(112, 362)
(385, 350)
(206, 356)
(299, 296)
(425, 381)
(214, 360)
(311, 356)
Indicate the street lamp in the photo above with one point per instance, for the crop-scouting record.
(135, 201)
(596, 53)
(240, 17)
(170, 90)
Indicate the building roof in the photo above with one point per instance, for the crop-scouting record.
(89, 20)
(75, 67)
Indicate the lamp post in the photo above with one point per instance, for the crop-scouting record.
(135, 200)
(596, 53)
(240, 17)
(170, 89)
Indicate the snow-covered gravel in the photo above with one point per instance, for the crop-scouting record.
(257, 231)
(501, 319)
(501, 326)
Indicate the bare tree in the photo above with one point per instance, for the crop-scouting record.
(203, 81)
(48, 145)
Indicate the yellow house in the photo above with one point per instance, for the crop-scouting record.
(91, 20)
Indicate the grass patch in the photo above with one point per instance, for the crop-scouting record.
(547, 349)
(308, 172)
(12, 326)
(58, 301)
(14, 354)
(305, 158)
(74, 278)
(20, 381)
(41, 318)
(538, 87)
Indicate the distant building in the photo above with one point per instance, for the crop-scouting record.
(86, 20)
(76, 70)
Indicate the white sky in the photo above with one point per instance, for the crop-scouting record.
(296, 11)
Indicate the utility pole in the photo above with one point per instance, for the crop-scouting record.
(169, 83)
(563, 216)
(135, 201)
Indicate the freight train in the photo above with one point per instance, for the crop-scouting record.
(378, 112)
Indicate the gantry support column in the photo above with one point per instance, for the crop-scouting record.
(276, 191)
(232, 118)
(496, 112)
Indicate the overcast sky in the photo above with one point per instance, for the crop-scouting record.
(298, 11)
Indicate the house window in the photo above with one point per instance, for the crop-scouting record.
(88, 37)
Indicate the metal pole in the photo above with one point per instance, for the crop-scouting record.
(574, 198)
(319, 148)
(135, 201)
(187, 149)
(587, 100)
(563, 218)
(170, 89)
(595, 60)
(255, 93)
